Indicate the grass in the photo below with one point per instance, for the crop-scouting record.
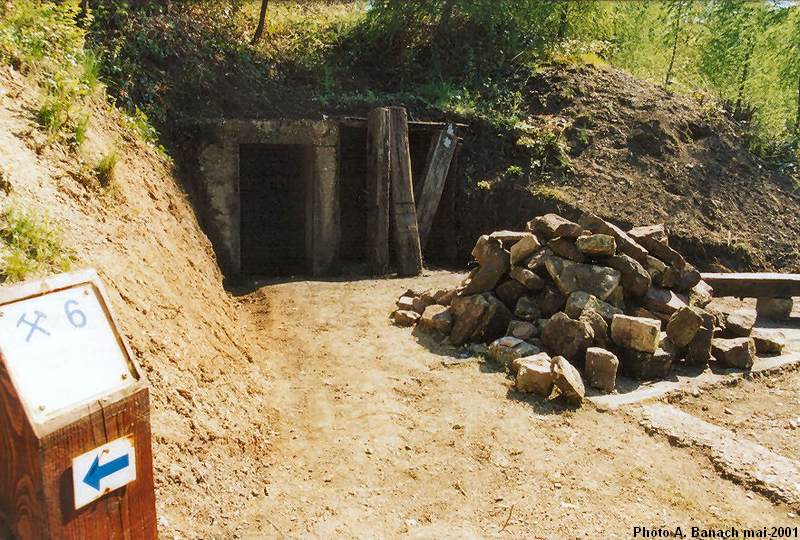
(30, 245)
(553, 194)
(106, 168)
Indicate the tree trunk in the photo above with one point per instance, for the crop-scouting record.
(676, 31)
(262, 17)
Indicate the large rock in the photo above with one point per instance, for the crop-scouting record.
(535, 262)
(507, 349)
(740, 323)
(444, 296)
(422, 302)
(636, 333)
(405, 317)
(567, 337)
(569, 277)
(510, 291)
(596, 245)
(598, 325)
(635, 279)
(737, 352)
(656, 268)
(646, 366)
(493, 321)
(467, 313)
(494, 263)
(663, 301)
(522, 330)
(657, 233)
(701, 294)
(683, 325)
(657, 246)
(524, 248)
(698, 352)
(436, 317)
(534, 374)
(564, 247)
(554, 226)
(601, 369)
(625, 243)
(768, 341)
(509, 238)
(567, 379)
(550, 301)
(530, 280)
(527, 309)
(579, 301)
(405, 303)
(777, 309)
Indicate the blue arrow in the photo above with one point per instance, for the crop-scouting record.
(97, 472)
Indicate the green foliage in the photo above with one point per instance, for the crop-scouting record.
(30, 245)
(43, 40)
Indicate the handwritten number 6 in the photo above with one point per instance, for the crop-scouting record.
(76, 317)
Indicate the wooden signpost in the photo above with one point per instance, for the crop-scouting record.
(436, 170)
(75, 449)
(378, 189)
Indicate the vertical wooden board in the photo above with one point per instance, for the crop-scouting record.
(378, 189)
(404, 213)
(435, 177)
(443, 242)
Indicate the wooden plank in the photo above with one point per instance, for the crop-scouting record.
(404, 213)
(378, 189)
(442, 245)
(434, 181)
(754, 285)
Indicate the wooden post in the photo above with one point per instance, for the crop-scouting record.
(404, 213)
(378, 189)
(75, 448)
(435, 177)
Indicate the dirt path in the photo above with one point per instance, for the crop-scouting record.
(375, 437)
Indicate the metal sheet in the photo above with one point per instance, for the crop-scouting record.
(61, 351)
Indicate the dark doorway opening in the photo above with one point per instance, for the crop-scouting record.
(272, 189)
(353, 193)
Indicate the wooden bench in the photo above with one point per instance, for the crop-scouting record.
(754, 285)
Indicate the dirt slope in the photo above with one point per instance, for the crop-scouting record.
(210, 413)
(639, 155)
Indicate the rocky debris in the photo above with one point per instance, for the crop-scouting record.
(437, 317)
(601, 369)
(527, 278)
(635, 279)
(405, 317)
(565, 248)
(522, 330)
(736, 352)
(494, 261)
(568, 380)
(739, 323)
(555, 226)
(768, 341)
(683, 326)
(625, 305)
(507, 349)
(777, 309)
(636, 333)
(524, 248)
(567, 337)
(534, 374)
(580, 301)
(647, 366)
(569, 277)
(596, 245)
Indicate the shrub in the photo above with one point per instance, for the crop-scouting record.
(106, 168)
(30, 245)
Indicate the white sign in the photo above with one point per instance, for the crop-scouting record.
(61, 351)
(103, 470)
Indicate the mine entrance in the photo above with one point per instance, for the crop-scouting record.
(273, 181)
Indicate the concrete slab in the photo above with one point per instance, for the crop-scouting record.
(740, 459)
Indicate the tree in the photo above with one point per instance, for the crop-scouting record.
(675, 10)
(262, 18)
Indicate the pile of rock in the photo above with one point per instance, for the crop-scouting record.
(566, 299)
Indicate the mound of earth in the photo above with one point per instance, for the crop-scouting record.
(211, 420)
(638, 154)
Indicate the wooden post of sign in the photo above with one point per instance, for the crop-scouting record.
(404, 214)
(378, 189)
(38, 451)
(434, 180)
